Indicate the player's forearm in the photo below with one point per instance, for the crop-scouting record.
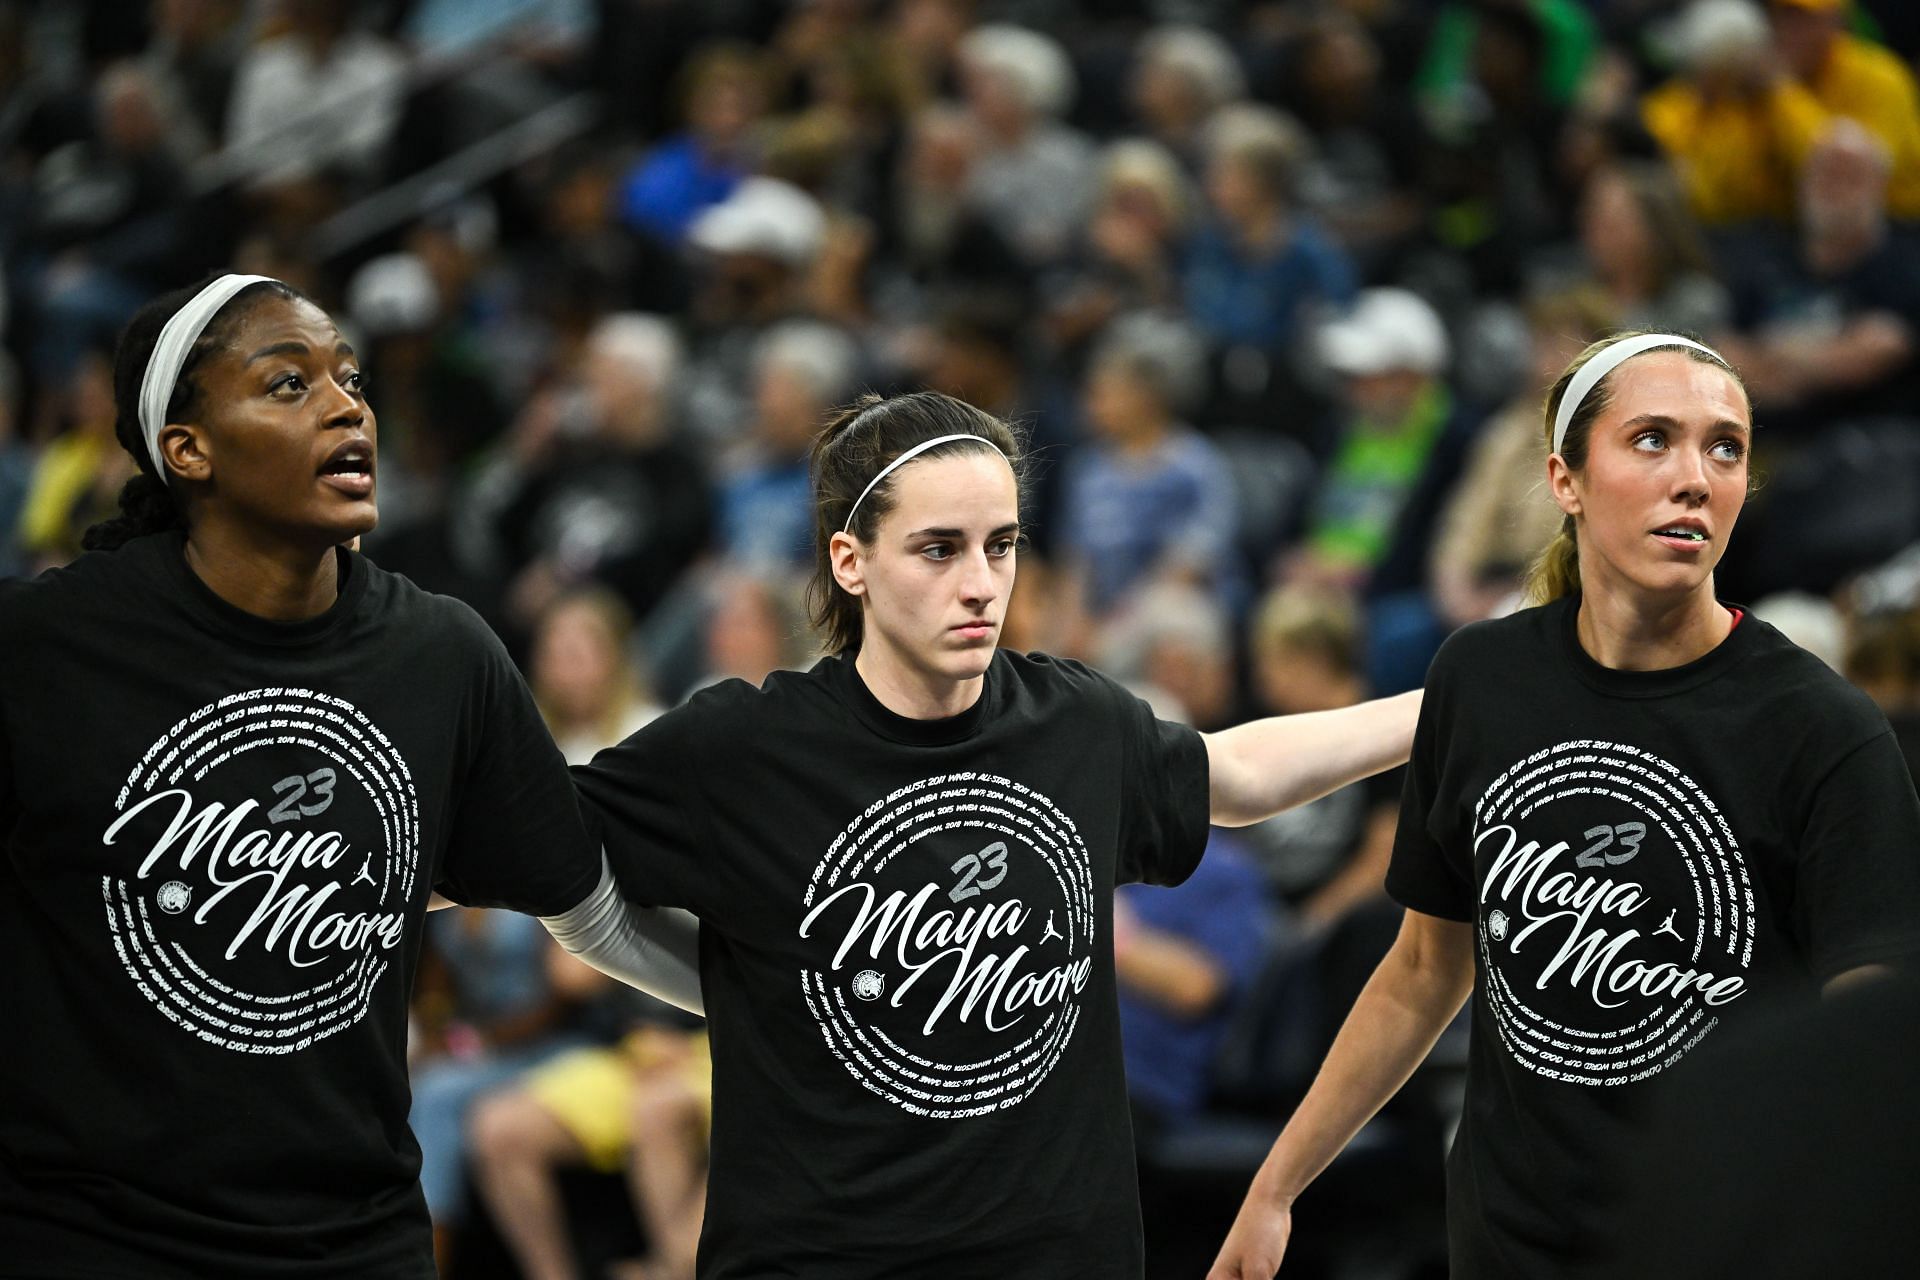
(1266, 766)
(1405, 1006)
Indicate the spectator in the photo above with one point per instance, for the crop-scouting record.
(1182, 75)
(598, 489)
(637, 1100)
(803, 369)
(939, 246)
(1569, 42)
(1128, 257)
(640, 1107)
(1149, 498)
(1833, 319)
(192, 60)
(486, 1013)
(754, 626)
(1500, 515)
(1183, 959)
(1501, 191)
(1323, 858)
(1855, 80)
(583, 675)
(726, 96)
(437, 407)
(78, 476)
(1737, 130)
(108, 222)
(1365, 177)
(1646, 252)
(1883, 659)
(1174, 643)
(757, 249)
(1396, 453)
(319, 97)
(1259, 264)
(1033, 174)
(1391, 353)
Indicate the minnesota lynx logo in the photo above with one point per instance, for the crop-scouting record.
(1617, 912)
(955, 924)
(246, 912)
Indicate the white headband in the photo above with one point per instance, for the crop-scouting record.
(1605, 363)
(170, 352)
(909, 456)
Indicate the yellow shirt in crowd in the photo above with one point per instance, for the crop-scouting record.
(1740, 156)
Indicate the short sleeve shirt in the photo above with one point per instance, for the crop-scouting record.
(220, 834)
(1644, 857)
(907, 960)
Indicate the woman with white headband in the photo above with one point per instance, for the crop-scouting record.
(903, 861)
(236, 761)
(1633, 813)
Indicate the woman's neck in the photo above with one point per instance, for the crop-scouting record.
(915, 694)
(1629, 632)
(278, 582)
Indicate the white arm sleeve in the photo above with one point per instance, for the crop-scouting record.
(656, 949)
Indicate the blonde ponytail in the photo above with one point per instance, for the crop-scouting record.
(1555, 572)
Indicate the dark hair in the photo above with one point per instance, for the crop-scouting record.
(854, 447)
(146, 504)
(1556, 570)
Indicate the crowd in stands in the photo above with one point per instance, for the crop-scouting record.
(1274, 288)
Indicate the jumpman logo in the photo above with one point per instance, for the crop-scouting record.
(366, 873)
(1052, 932)
(1666, 926)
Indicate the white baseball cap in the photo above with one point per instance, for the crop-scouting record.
(767, 217)
(1386, 329)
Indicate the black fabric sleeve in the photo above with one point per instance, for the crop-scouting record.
(1857, 880)
(1164, 796)
(9, 797)
(516, 838)
(1421, 875)
(11, 642)
(642, 802)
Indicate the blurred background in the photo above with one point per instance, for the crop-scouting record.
(1275, 290)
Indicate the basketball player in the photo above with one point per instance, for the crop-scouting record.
(235, 762)
(1631, 753)
(903, 862)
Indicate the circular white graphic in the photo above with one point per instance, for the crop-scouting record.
(1622, 912)
(1497, 925)
(274, 919)
(964, 905)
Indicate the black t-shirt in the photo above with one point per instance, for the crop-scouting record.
(220, 835)
(1643, 855)
(906, 959)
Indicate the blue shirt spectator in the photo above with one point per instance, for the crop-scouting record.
(1129, 513)
(766, 515)
(674, 185)
(1220, 912)
(1249, 296)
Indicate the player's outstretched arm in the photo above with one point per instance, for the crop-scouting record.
(656, 949)
(1265, 766)
(1415, 992)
